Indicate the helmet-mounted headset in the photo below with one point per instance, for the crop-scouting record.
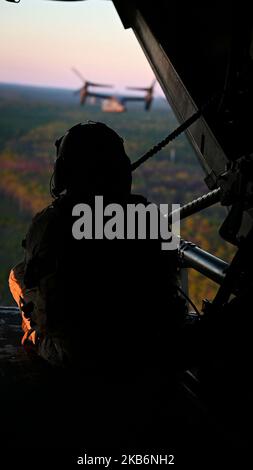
(71, 144)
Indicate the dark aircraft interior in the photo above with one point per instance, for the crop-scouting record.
(202, 57)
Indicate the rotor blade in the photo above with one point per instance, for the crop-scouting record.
(102, 85)
(137, 88)
(153, 84)
(78, 74)
(148, 88)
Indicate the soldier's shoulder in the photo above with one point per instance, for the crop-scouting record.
(49, 212)
(42, 221)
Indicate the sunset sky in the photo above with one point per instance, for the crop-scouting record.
(41, 40)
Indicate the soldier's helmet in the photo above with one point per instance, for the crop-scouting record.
(91, 159)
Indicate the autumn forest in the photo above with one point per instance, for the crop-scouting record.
(30, 121)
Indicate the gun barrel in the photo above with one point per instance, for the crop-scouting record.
(209, 265)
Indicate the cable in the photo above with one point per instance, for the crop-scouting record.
(197, 205)
(179, 130)
(154, 150)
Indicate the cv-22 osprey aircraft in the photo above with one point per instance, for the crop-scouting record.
(111, 102)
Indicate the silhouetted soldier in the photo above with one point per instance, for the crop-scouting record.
(120, 292)
(110, 305)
